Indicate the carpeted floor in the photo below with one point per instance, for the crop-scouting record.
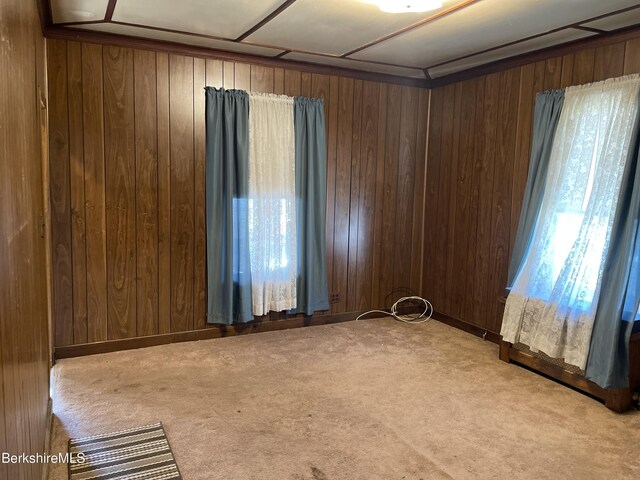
(374, 399)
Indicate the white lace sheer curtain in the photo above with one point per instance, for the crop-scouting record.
(272, 203)
(552, 304)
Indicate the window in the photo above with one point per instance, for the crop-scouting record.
(272, 204)
(572, 233)
(554, 297)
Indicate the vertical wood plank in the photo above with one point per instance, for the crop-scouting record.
(164, 195)
(343, 189)
(392, 147)
(292, 83)
(242, 76)
(567, 70)
(583, 64)
(182, 190)
(463, 191)
(331, 105)
(354, 205)
(366, 200)
(553, 73)
(229, 75)
(306, 79)
(501, 200)
(478, 152)
(608, 61)
(444, 195)
(405, 189)
(431, 247)
(120, 192)
(632, 57)
(24, 359)
(417, 253)
(452, 175)
(261, 79)
(486, 172)
(146, 145)
(278, 81)
(76, 170)
(379, 198)
(200, 242)
(538, 78)
(60, 193)
(94, 170)
(214, 73)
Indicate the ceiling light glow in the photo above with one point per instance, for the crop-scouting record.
(407, 6)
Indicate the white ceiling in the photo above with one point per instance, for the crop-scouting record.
(461, 35)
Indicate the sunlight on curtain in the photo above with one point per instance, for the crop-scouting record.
(552, 304)
(272, 200)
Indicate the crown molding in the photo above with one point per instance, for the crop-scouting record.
(608, 38)
(90, 36)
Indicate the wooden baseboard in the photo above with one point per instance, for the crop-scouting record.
(483, 333)
(618, 400)
(211, 332)
(220, 331)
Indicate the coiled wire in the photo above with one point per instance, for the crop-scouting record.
(422, 317)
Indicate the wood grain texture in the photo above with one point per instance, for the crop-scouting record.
(463, 187)
(146, 197)
(331, 119)
(182, 191)
(76, 185)
(417, 224)
(60, 191)
(24, 329)
(213, 73)
(242, 76)
(120, 193)
(164, 194)
(145, 109)
(94, 188)
(342, 192)
(366, 195)
(632, 57)
(405, 191)
(200, 225)
(354, 193)
(476, 174)
(390, 192)
(379, 199)
(502, 184)
(453, 206)
(608, 61)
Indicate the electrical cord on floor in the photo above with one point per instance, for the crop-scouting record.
(422, 317)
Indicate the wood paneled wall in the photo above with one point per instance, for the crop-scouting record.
(24, 347)
(127, 164)
(477, 161)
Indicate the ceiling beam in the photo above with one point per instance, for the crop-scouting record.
(498, 47)
(588, 29)
(267, 19)
(44, 10)
(621, 35)
(436, 16)
(575, 25)
(91, 36)
(111, 6)
(223, 39)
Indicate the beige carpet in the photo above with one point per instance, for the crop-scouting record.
(374, 399)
